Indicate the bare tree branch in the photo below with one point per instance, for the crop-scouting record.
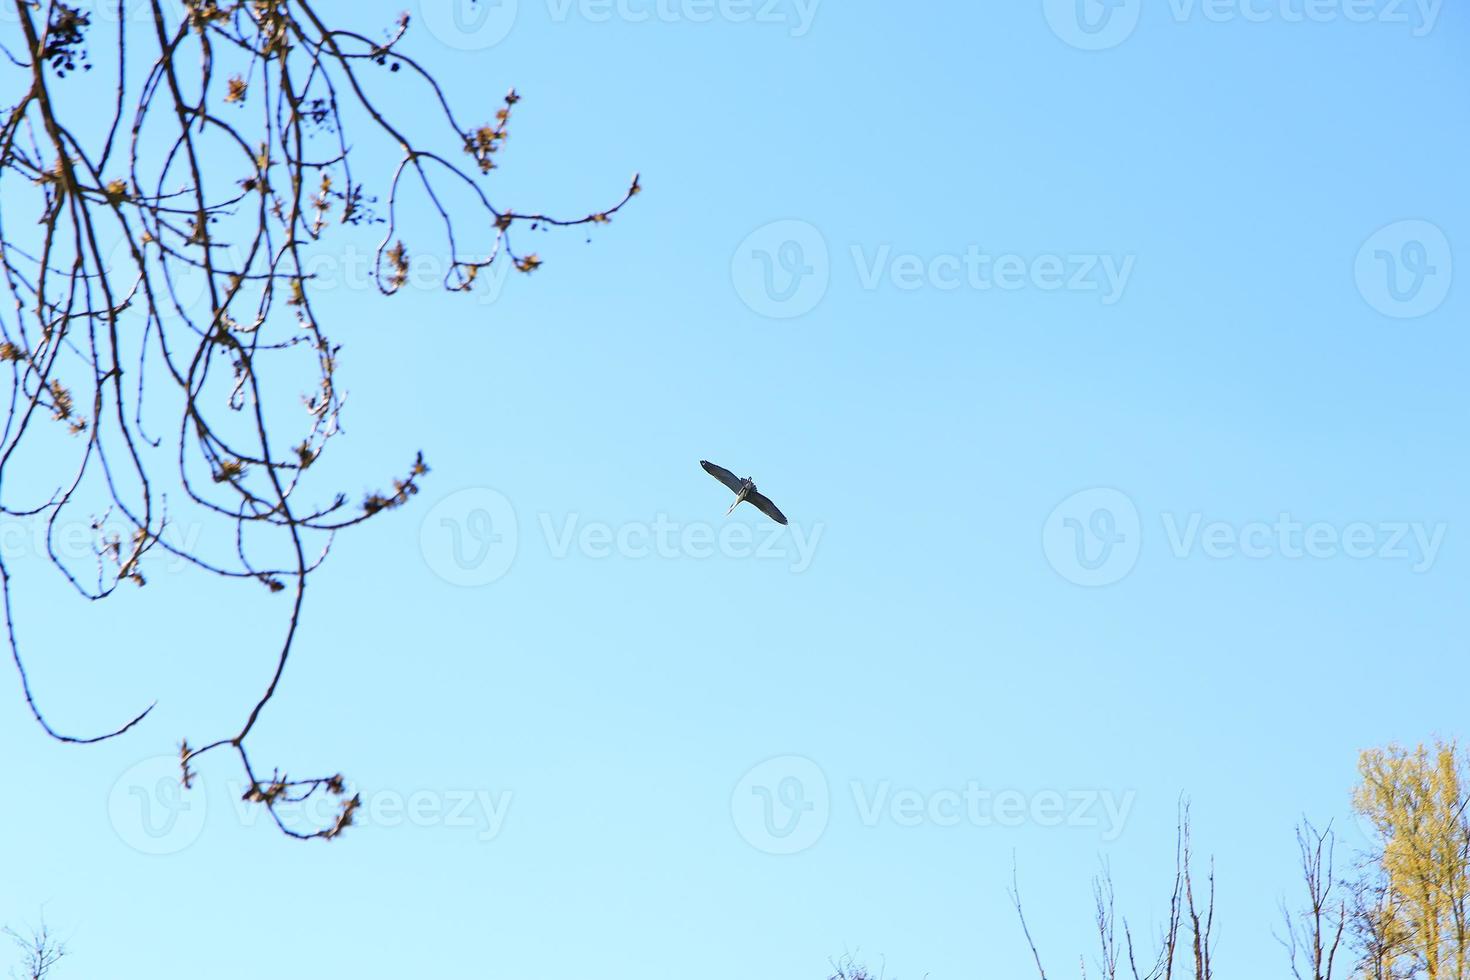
(1181, 902)
(158, 256)
(40, 951)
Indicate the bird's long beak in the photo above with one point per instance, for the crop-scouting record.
(738, 497)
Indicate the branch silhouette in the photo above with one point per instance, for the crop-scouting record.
(157, 252)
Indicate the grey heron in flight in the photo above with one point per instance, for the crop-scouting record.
(744, 490)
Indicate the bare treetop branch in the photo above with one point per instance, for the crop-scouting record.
(157, 251)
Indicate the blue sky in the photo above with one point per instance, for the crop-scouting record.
(1118, 469)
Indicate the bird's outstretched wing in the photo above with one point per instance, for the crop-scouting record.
(766, 507)
(723, 475)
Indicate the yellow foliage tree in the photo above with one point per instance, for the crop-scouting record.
(1414, 923)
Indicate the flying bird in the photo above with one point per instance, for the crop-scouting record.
(744, 490)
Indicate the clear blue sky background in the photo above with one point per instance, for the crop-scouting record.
(925, 434)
